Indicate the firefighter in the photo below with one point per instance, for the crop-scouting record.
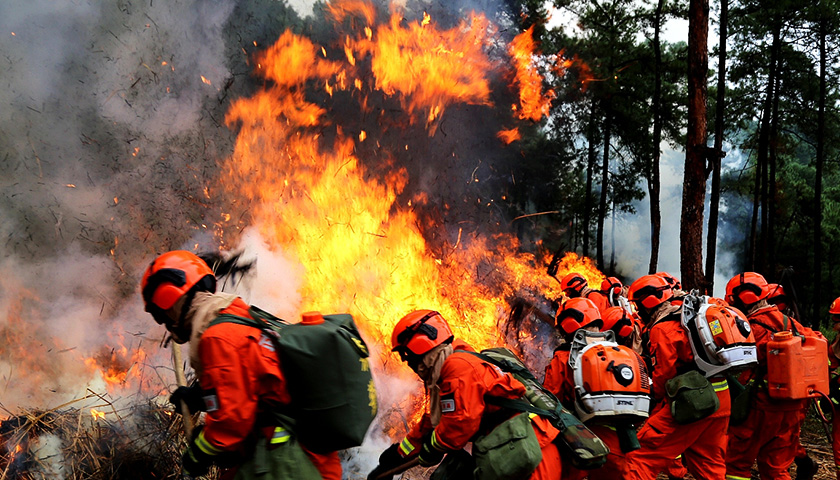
(626, 326)
(702, 443)
(574, 314)
(457, 386)
(806, 467)
(574, 286)
(673, 281)
(834, 366)
(239, 377)
(614, 291)
(770, 434)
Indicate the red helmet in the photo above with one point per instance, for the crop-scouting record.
(776, 296)
(171, 276)
(611, 285)
(577, 313)
(834, 309)
(650, 291)
(573, 281)
(418, 332)
(747, 288)
(620, 321)
(673, 281)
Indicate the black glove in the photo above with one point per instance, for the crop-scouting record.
(192, 396)
(388, 460)
(429, 455)
(196, 461)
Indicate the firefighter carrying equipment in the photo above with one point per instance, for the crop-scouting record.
(171, 276)
(510, 451)
(649, 291)
(576, 442)
(329, 378)
(692, 397)
(721, 338)
(611, 380)
(796, 366)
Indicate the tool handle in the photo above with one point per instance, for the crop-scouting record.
(181, 380)
(400, 469)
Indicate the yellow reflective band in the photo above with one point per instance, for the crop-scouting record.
(531, 416)
(406, 447)
(678, 457)
(720, 386)
(735, 477)
(436, 444)
(281, 435)
(205, 446)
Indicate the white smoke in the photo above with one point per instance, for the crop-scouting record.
(633, 233)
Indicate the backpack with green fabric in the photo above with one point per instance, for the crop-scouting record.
(692, 397)
(328, 376)
(582, 447)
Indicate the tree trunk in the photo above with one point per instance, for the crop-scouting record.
(694, 184)
(764, 148)
(820, 160)
(602, 207)
(590, 169)
(768, 243)
(653, 174)
(714, 201)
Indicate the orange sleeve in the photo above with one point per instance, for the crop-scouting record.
(664, 357)
(226, 376)
(462, 399)
(559, 380)
(412, 442)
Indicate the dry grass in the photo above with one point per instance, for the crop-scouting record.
(143, 441)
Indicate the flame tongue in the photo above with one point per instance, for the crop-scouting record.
(361, 248)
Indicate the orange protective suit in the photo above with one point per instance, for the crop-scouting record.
(701, 443)
(465, 381)
(242, 372)
(601, 300)
(770, 434)
(559, 380)
(834, 367)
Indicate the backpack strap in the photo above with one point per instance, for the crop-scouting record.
(259, 319)
(515, 404)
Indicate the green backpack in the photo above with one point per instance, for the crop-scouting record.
(328, 376)
(576, 441)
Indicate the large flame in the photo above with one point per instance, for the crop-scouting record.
(359, 242)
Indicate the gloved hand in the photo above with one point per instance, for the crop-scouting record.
(429, 455)
(196, 461)
(191, 396)
(388, 460)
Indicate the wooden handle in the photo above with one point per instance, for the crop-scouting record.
(405, 466)
(181, 380)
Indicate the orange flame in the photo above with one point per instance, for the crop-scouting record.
(509, 136)
(534, 103)
(362, 249)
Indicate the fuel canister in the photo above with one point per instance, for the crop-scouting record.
(797, 367)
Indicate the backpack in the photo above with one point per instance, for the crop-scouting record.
(328, 376)
(611, 380)
(576, 441)
(720, 336)
(796, 366)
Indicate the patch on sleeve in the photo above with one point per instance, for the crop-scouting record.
(211, 400)
(447, 403)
